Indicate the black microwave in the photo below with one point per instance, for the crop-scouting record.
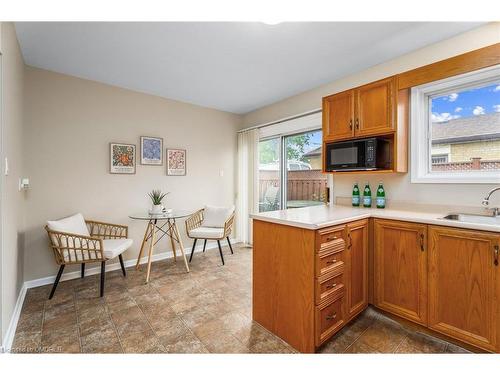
(358, 155)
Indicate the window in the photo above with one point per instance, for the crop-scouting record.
(269, 175)
(455, 129)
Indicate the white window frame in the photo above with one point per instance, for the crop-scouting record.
(420, 123)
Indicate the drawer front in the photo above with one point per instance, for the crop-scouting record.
(329, 319)
(329, 237)
(330, 286)
(329, 261)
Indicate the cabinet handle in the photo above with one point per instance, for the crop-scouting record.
(357, 124)
(331, 286)
(331, 238)
(421, 242)
(350, 240)
(495, 254)
(331, 317)
(331, 261)
(350, 124)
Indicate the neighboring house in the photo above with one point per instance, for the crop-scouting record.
(313, 157)
(462, 139)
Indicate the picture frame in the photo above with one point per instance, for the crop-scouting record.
(151, 150)
(176, 162)
(122, 158)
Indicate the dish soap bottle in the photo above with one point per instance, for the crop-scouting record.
(367, 196)
(355, 195)
(380, 196)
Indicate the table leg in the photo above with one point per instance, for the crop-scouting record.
(172, 242)
(151, 246)
(180, 244)
(144, 240)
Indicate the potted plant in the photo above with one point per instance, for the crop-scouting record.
(156, 198)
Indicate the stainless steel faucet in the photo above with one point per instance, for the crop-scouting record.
(486, 202)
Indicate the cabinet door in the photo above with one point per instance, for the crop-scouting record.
(375, 108)
(463, 285)
(357, 267)
(338, 116)
(400, 268)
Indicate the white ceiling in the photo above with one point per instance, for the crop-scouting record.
(235, 67)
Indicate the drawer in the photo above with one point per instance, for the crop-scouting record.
(328, 237)
(329, 261)
(329, 319)
(329, 286)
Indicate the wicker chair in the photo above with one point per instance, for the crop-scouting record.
(87, 242)
(197, 228)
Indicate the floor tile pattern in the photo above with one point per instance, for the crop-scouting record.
(205, 311)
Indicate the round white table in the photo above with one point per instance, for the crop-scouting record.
(167, 225)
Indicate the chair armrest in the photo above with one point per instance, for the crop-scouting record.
(70, 248)
(194, 221)
(228, 225)
(106, 230)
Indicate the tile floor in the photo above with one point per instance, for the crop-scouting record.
(205, 311)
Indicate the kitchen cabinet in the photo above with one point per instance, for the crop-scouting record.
(357, 267)
(400, 268)
(368, 110)
(338, 116)
(464, 283)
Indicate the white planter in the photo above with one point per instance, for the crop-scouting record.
(157, 209)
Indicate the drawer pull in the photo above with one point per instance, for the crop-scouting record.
(331, 317)
(331, 238)
(330, 286)
(331, 261)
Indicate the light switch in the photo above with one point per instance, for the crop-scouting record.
(221, 173)
(6, 167)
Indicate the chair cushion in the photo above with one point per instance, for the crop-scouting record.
(72, 224)
(215, 217)
(112, 248)
(207, 232)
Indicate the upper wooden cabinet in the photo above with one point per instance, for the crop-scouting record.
(400, 268)
(375, 108)
(338, 116)
(464, 285)
(364, 111)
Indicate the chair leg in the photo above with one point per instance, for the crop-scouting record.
(103, 272)
(192, 250)
(220, 252)
(83, 270)
(58, 277)
(122, 265)
(229, 243)
(204, 245)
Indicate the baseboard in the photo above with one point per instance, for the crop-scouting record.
(116, 266)
(11, 330)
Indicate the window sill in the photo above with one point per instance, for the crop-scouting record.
(457, 178)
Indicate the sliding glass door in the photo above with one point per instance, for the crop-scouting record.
(270, 174)
(305, 182)
(290, 171)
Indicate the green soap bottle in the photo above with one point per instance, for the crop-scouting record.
(380, 196)
(367, 196)
(355, 195)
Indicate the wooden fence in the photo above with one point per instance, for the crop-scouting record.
(476, 164)
(301, 185)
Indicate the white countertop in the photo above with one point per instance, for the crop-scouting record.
(317, 217)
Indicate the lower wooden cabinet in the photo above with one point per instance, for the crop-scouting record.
(356, 258)
(400, 268)
(464, 285)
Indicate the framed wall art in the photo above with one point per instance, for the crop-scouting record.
(122, 158)
(176, 162)
(151, 151)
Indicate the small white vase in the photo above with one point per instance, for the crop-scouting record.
(157, 209)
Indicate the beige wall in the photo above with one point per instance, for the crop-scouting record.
(69, 123)
(398, 187)
(487, 150)
(11, 147)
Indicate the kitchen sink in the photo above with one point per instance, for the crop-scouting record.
(474, 218)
